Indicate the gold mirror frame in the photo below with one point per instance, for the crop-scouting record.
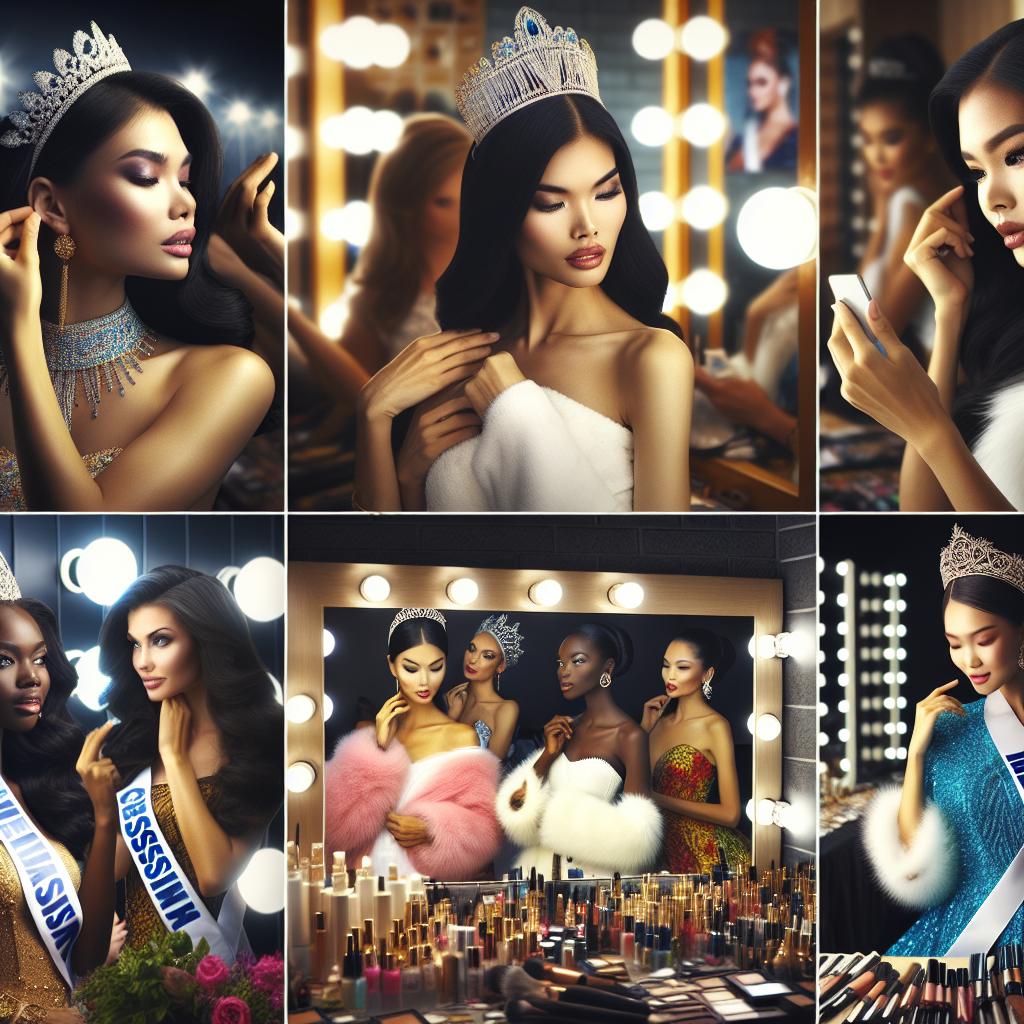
(314, 586)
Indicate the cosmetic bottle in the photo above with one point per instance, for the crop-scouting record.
(449, 990)
(474, 974)
(412, 981)
(366, 885)
(390, 984)
(381, 908)
(371, 972)
(298, 921)
(348, 979)
(568, 953)
(320, 966)
(428, 971)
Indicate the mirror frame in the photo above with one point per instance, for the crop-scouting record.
(314, 586)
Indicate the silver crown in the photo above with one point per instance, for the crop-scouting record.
(96, 56)
(9, 589)
(509, 639)
(532, 64)
(965, 555)
(415, 613)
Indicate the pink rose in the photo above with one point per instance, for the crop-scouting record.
(211, 972)
(177, 983)
(268, 974)
(231, 1010)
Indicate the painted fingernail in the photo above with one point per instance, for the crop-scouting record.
(494, 335)
(873, 310)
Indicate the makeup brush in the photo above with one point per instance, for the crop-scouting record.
(563, 976)
(515, 983)
(585, 1014)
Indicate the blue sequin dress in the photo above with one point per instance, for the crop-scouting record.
(483, 732)
(965, 776)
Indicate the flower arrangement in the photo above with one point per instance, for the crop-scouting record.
(168, 981)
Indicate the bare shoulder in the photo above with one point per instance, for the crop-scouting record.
(232, 374)
(718, 726)
(630, 733)
(508, 709)
(459, 735)
(656, 350)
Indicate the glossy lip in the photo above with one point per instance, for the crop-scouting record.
(182, 237)
(671, 687)
(470, 671)
(179, 245)
(1012, 232)
(152, 682)
(423, 694)
(980, 680)
(29, 705)
(565, 687)
(586, 259)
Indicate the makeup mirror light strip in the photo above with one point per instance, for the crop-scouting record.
(314, 586)
(716, 175)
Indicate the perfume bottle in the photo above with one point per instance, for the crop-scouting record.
(474, 974)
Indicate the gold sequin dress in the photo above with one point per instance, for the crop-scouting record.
(12, 497)
(27, 974)
(691, 846)
(143, 920)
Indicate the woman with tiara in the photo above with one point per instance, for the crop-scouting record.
(552, 330)
(121, 350)
(199, 748)
(416, 789)
(59, 818)
(585, 796)
(495, 647)
(950, 840)
(692, 749)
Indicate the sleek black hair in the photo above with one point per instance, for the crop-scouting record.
(987, 594)
(484, 284)
(902, 70)
(992, 346)
(199, 309)
(714, 651)
(42, 760)
(610, 641)
(239, 693)
(413, 632)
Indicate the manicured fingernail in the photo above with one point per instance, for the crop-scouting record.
(494, 335)
(833, 307)
(873, 310)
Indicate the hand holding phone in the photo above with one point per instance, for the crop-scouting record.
(851, 290)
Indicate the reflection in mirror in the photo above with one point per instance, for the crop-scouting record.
(654, 731)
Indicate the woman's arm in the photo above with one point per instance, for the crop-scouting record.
(658, 394)
(337, 364)
(902, 291)
(727, 810)
(504, 728)
(635, 754)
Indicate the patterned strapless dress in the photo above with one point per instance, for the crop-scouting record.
(691, 846)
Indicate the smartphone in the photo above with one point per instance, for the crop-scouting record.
(851, 290)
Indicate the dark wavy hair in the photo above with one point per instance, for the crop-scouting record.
(484, 284)
(239, 693)
(902, 70)
(987, 594)
(413, 632)
(42, 760)
(199, 309)
(992, 346)
(711, 649)
(610, 641)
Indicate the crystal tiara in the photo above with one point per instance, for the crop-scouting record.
(509, 639)
(96, 56)
(9, 589)
(965, 555)
(532, 64)
(415, 613)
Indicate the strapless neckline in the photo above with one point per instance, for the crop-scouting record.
(12, 497)
(688, 746)
(562, 396)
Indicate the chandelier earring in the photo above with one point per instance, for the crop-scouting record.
(64, 247)
(706, 688)
(497, 682)
(605, 680)
(1020, 655)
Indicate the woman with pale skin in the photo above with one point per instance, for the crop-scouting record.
(130, 173)
(477, 702)
(197, 707)
(942, 841)
(961, 420)
(690, 746)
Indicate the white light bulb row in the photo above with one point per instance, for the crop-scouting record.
(703, 208)
(701, 125)
(773, 812)
(701, 38)
(360, 42)
(360, 130)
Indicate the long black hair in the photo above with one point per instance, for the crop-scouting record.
(199, 309)
(902, 70)
(710, 649)
(610, 641)
(413, 632)
(240, 695)
(987, 594)
(484, 284)
(42, 760)
(992, 347)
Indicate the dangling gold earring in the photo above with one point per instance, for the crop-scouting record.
(64, 247)
(605, 680)
(1020, 655)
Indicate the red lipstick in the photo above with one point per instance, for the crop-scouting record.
(586, 259)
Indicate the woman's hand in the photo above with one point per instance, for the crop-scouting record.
(556, 734)
(432, 433)
(99, 776)
(928, 710)
(244, 224)
(118, 934)
(892, 389)
(21, 287)
(498, 374)
(653, 710)
(423, 368)
(387, 719)
(940, 251)
(455, 699)
(407, 830)
(175, 724)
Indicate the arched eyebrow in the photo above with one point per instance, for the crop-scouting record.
(6, 645)
(152, 154)
(562, 191)
(997, 139)
(954, 636)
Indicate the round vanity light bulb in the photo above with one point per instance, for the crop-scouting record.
(391, 46)
(765, 809)
(260, 884)
(702, 125)
(768, 727)
(300, 708)
(704, 292)
(103, 569)
(463, 590)
(703, 207)
(749, 809)
(546, 593)
(654, 39)
(328, 707)
(651, 126)
(626, 595)
(778, 227)
(703, 38)
(657, 211)
(374, 588)
(300, 776)
(259, 589)
(329, 642)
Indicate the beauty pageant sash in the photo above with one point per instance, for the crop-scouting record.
(180, 907)
(48, 888)
(1004, 900)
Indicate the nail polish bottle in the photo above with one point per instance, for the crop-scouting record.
(371, 972)
(627, 939)
(412, 981)
(474, 974)
(390, 983)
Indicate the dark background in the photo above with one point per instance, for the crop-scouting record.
(34, 545)
(762, 546)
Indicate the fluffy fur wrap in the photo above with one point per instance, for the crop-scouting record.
(522, 826)
(921, 875)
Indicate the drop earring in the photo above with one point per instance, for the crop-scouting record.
(497, 682)
(1020, 655)
(64, 247)
(706, 687)
(605, 680)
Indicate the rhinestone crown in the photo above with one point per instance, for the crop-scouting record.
(96, 56)
(532, 64)
(9, 589)
(974, 556)
(415, 613)
(509, 639)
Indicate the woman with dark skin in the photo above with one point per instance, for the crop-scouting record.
(564, 799)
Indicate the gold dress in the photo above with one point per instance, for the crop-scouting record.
(27, 974)
(143, 919)
(12, 497)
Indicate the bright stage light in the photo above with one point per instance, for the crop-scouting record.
(103, 569)
(261, 884)
(259, 589)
